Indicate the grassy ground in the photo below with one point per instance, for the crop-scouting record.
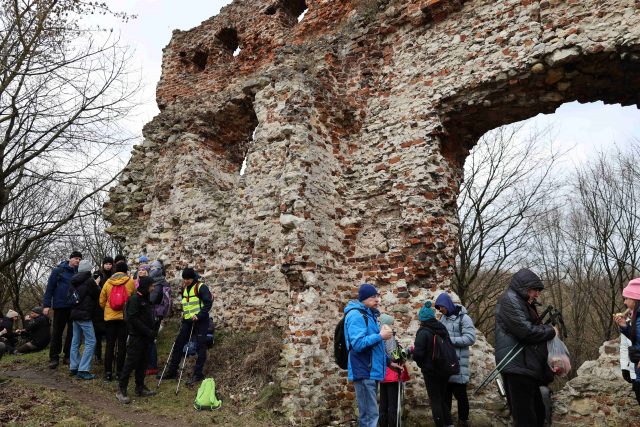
(241, 363)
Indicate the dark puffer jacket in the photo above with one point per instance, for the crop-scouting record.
(517, 322)
(423, 345)
(37, 331)
(89, 293)
(139, 314)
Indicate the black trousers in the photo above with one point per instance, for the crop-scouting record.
(99, 330)
(636, 390)
(200, 333)
(137, 357)
(61, 320)
(525, 400)
(116, 335)
(388, 404)
(460, 393)
(437, 389)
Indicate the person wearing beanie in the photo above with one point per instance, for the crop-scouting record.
(56, 296)
(162, 300)
(7, 330)
(105, 272)
(143, 259)
(113, 297)
(367, 358)
(423, 350)
(36, 332)
(196, 304)
(120, 258)
(463, 334)
(389, 386)
(88, 291)
(629, 324)
(143, 271)
(518, 324)
(139, 314)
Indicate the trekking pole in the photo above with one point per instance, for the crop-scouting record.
(512, 354)
(166, 364)
(399, 409)
(186, 353)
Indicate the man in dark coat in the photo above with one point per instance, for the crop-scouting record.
(36, 331)
(81, 315)
(140, 322)
(98, 316)
(56, 297)
(518, 322)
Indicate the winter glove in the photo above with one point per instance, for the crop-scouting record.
(626, 375)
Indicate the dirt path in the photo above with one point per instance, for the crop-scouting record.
(88, 397)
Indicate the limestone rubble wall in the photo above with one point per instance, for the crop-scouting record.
(355, 123)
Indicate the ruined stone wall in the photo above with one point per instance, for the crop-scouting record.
(355, 123)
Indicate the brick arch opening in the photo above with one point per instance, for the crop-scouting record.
(610, 77)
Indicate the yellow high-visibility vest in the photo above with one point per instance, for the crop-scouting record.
(190, 302)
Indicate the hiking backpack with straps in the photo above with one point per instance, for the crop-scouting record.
(444, 358)
(206, 398)
(340, 347)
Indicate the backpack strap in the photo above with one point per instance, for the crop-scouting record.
(366, 321)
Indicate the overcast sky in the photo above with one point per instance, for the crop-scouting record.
(583, 129)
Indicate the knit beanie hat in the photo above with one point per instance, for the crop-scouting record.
(632, 290)
(188, 273)
(11, 314)
(146, 267)
(426, 312)
(107, 260)
(75, 254)
(366, 291)
(386, 319)
(143, 259)
(38, 310)
(85, 265)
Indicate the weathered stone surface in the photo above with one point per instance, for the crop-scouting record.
(357, 120)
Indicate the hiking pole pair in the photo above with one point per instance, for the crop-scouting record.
(166, 364)
(400, 392)
(186, 353)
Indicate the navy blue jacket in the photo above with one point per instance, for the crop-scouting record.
(367, 357)
(58, 286)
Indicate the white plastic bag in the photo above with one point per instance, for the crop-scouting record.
(558, 358)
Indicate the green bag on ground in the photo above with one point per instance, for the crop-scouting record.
(206, 398)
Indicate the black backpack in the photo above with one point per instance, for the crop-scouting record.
(340, 350)
(444, 358)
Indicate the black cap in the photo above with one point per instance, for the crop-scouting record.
(38, 310)
(75, 254)
(188, 273)
(107, 260)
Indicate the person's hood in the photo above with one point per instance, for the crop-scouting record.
(359, 305)
(156, 271)
(118, 279)
(444, 300)
(435, 326)
(79, 278)
(524, 280)
(65, 265)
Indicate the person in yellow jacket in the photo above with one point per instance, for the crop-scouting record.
(112, 300)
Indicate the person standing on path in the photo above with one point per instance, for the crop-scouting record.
(113, 298)
(81, 315)
(196, 304)
(463, 335)
(367, 357)
(56, 296)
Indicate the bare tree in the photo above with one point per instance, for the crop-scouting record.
(508, 185)
(63, 92)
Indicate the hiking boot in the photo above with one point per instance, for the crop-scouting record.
(144, 392)
(194, 379)
(84, 375)
(121, 395)
(168, 376)
(107, 377)
(73, 372)
(53, 363)
(463, 423)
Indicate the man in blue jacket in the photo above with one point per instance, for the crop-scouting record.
(367, 358)
(57, 297)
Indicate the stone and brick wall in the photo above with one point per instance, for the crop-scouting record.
(355, 123)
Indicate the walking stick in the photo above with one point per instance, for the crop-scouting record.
(399, 408)
(186, 353)
(166, 364)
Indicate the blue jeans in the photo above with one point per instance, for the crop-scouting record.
(367, 396)
(82, 328)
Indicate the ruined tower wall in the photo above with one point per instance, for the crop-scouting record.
(355, 123)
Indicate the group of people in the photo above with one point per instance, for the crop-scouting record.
(127, 310)
(521, 352)
(33, 336)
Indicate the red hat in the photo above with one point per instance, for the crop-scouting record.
(632, 290)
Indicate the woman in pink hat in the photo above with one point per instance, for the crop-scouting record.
(630, 327)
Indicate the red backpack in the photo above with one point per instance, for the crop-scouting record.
(118, 297)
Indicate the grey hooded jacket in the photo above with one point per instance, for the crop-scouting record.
(463, 335)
